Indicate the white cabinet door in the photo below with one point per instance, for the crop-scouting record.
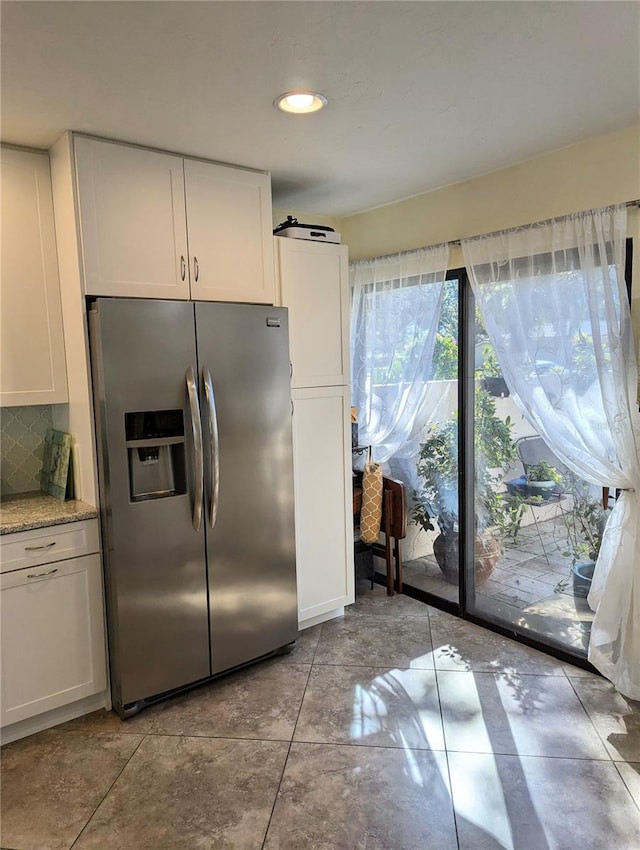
(32, 359)
(314, 285)
(323, 503)
(132, 221)
(52, 637)
(229, 225)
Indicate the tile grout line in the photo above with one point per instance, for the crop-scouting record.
(293, 732)
(444, 739)
(107, 792)
(633, 799)
(595, 728)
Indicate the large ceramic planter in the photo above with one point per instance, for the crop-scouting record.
(582, 575)
(544, 489)
(446, 551)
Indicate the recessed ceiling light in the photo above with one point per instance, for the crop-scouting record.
(300, 102)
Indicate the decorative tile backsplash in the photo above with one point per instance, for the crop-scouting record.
(22, 433)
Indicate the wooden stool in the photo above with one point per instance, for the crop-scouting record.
(394, 526)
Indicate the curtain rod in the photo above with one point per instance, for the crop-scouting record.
(458, 242)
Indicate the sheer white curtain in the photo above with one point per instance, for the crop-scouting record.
(396, 303)
(553, 300)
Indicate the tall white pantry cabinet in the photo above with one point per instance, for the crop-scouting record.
(313, 284)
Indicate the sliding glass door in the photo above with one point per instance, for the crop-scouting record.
(430, 471)
(499, 529)
(533, 524)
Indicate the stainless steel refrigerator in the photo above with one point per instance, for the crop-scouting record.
(193, 420)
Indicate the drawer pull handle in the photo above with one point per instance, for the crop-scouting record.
(36, 548)
(45, 573)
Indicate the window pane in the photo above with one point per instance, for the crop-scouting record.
(537, 524)
(430, 472)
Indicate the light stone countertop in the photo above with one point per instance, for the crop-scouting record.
(24, 511)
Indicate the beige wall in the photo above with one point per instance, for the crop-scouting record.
(603, 170)
(600, 171)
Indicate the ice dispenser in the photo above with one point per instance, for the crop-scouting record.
(155, 448)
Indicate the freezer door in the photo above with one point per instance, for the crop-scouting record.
(243, 355)
(154, 557)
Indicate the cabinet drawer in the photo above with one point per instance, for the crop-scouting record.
(45, 545)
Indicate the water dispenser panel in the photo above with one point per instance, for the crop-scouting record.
(156, 452)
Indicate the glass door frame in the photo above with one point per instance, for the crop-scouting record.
(466, 476)
(465, 351)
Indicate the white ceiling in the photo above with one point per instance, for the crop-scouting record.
(421, 94)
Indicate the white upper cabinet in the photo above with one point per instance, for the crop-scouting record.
(155, 225)
(32, 358)
(132, 221)
(229, 225)
(314, 285)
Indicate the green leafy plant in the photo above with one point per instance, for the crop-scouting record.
(508, 512)
(437, 468)
(585, 523)
(445, 358)
(543, 471)
(490, 367)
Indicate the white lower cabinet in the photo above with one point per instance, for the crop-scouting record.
(323, 502)
(52, 636)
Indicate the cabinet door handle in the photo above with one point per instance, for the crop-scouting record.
(38, 548)
(183, 267)
(45, 573)
(196, 269)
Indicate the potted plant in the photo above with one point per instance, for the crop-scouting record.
(437, 498)
(492, 378)
(543, 480)
(585, 522)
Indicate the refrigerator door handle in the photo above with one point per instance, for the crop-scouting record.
(214, 447)
(198, 463)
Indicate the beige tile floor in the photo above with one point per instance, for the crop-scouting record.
(398, 727)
